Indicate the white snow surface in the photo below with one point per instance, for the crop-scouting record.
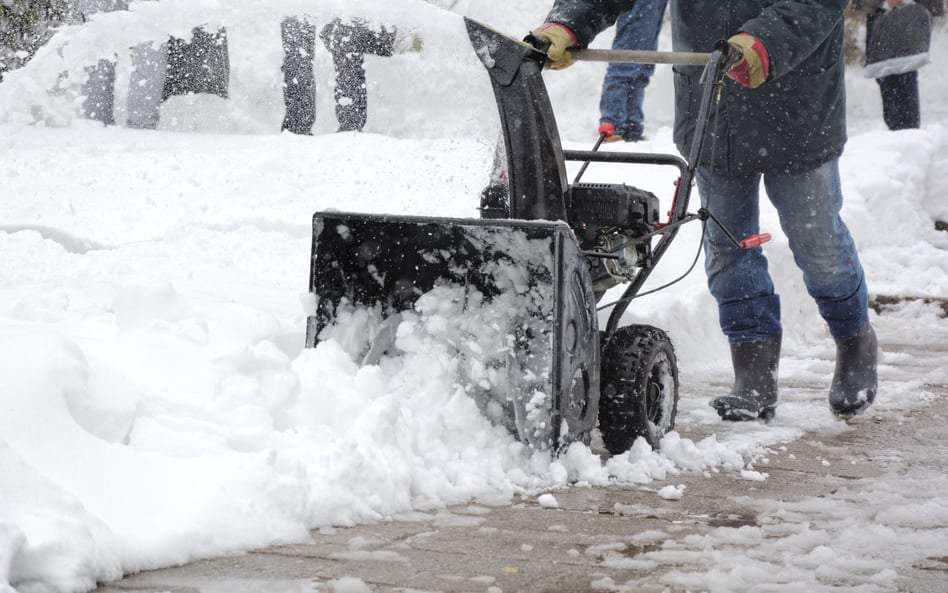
(157, 405)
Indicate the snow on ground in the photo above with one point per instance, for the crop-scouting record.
(156, 404)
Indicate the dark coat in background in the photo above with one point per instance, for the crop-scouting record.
(897, 40)
(935, 7)
(794, 122)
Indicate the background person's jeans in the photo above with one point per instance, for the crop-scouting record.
(900, 103)
(623, 89)
(808, 205)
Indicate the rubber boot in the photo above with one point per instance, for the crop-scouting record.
(856, 379)
(755, 382)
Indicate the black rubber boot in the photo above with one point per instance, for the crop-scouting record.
(856, 379)
(755, 382)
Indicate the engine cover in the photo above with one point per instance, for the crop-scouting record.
(613, 204)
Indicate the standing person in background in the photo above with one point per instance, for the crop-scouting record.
(623, 90)
(892, 48)
(98, 88)
(780, 123)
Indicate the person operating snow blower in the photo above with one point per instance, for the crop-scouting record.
(780, 120)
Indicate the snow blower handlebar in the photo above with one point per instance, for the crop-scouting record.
(632, 56)
(641, 56)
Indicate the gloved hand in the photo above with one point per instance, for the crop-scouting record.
(754, 67)
(406, 41)
(560, 39)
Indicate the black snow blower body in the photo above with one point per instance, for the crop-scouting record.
(523, 281)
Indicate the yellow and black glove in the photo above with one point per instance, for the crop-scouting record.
(560, 39)
(754, 66)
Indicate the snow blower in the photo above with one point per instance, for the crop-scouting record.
(528, 274)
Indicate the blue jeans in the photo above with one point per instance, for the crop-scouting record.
(900, 104)
(623, 89)
(808, 205)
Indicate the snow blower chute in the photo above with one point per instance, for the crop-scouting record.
(525, 278)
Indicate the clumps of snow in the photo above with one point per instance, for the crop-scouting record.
(349, 585)
(640, 465)
(753, 476)
(671, 492)
(548, 501)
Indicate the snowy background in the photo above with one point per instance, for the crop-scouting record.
(156, 404)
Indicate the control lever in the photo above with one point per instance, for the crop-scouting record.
(750, 242)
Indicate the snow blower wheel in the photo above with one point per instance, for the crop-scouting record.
(639, 395)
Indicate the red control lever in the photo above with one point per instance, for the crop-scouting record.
(607, 129)
(755, 241)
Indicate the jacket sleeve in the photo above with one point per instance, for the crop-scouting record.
(587, 18)
(792, 30)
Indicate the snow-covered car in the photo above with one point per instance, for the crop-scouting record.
(257, 67)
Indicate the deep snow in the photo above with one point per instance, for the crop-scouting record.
(157, 405)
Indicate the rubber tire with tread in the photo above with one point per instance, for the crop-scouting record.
(639, 393)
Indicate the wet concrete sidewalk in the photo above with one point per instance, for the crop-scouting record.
(616, 538)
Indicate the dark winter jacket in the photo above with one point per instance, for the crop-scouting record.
(795, 121)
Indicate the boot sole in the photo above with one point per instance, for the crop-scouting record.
(845, 412)
(850, 413)
(765, 414)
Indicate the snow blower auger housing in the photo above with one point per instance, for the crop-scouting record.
(522, 282)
